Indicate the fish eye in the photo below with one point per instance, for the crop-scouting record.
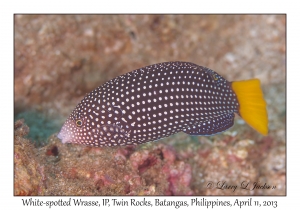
(215, 77)
(79, 123)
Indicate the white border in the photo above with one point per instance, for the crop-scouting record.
(154, 6)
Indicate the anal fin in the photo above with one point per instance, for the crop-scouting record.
(211, 126)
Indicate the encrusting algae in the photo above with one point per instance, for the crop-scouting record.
(159, 100)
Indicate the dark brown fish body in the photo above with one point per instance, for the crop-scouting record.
(151, 103)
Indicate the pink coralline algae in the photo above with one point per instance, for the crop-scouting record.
(179, 177)
(177, 174)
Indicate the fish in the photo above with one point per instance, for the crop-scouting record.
(159, 100)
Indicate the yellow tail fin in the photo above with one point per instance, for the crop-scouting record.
(252, 104)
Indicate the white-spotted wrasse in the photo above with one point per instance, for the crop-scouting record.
(159, 100)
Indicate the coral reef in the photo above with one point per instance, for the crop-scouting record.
(62, 169)
(149, 169)
(29, 174)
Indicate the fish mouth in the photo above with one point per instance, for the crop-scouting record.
(60, 136)
(64, 136)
